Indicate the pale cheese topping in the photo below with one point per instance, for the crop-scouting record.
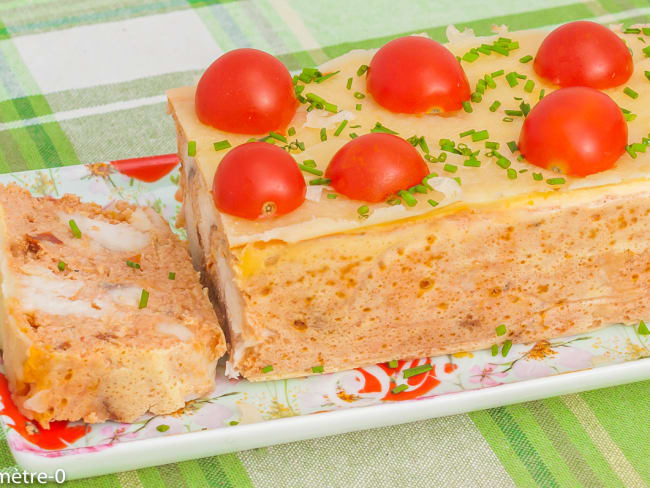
(321, 216)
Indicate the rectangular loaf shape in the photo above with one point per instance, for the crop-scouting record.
(324, 287)
(79, 341)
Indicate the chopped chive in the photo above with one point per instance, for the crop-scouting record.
(467, 133)
(506, 347)
(144, 298)
(409, 199)
(330, 107)
(495, 74)
(301, 145)
(323, 134)
(399, 389)
(358, 107)
(528, 87)
(646, 30)
(630, 151)
(233, 422)
(472, 163)
(507, 119)
(484, 49)
(467, 107)
(525, 59)
(317, 369)
(355, 126)
(512, 145)
(514, 113)
(632, 30)
(643, 328)
(646, 51)
(418, 189)
(512, 174)
(647, 74)
(61, 266)
(501, 330)
(291, 131)
(322, 78)
(267, 369)
(75, 229)
(320, 181)
(512, 79)
(393, 364)
(359, 95)
(433, 203)
(218, 146)
(162, 428)
(393, 201)
(353, 135)
(556, 181)
(133, 265)
(503, 162)
(348, 85)
(538, 176)
(629, 117)
(495, 349)
(525, 108)
(495, 105)
(191, 148)
(332, 196)
(362, 69)
(491, 145)
(363, 211)
(489, 81)
(340, 128)
(442, 158)
(423, 145)
(277, 137)
(520, 76)
(450, 168)
(381, 128)
(470, 56)
(309, 169)
(309, 162)
(630, 93)
(541, 93)
(171, 275)
(480, 136)
(638, 147)
(423, 368)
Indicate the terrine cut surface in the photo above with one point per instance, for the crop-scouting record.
(81, 339)
(322, 286)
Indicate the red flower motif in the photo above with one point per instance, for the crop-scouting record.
(59, 434)
(418, 385)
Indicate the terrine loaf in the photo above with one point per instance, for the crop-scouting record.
(103, 315)
(487, 239)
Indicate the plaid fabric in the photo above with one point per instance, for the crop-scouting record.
(83, 81)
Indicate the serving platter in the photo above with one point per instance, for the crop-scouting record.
(239, 415)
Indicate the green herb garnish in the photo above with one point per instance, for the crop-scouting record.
(132, 264)
(219, 146)
(61, 266)
(423, 368)
(191, 148)
(317, 369)
(267, 369)
(75, 229)
(506, 347)
(171, 275)
(144, 299)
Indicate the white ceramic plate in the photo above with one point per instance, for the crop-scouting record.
(239, 415)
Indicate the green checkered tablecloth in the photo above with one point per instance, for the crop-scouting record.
(83, 81)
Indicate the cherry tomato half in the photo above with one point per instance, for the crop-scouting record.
(584, 53)
(246, 91)
(258, 179)
(415, 74)
(577, 131)
(373, 166)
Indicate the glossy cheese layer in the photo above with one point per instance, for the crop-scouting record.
(322, 216)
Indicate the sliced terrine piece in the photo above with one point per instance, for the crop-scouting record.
(103, 316)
